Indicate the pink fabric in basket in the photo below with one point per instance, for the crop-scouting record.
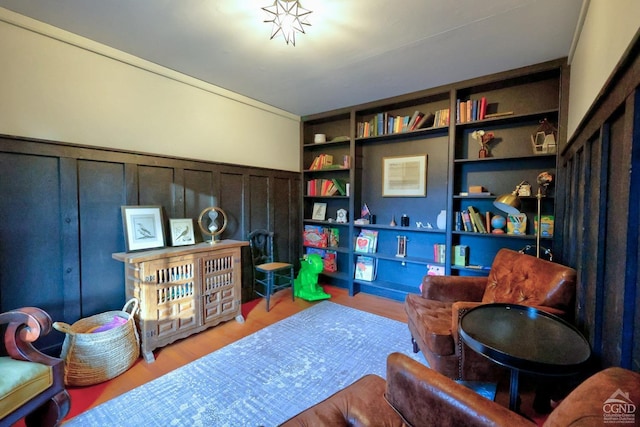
(117, 321)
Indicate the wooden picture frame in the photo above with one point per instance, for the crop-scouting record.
(181, 230)
(404, 176)
(143, 228)
(319, 212)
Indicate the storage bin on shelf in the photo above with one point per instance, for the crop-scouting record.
(100, 347)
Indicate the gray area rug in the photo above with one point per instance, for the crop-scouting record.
(264, 378)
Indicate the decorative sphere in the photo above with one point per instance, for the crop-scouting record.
(498, 222)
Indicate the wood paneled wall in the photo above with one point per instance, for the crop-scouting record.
(60, 218)
(599, 178)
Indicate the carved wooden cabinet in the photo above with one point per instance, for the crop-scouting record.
(183, 290)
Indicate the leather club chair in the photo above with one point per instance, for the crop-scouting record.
(32, 384)
(515, 278)
(415, 395)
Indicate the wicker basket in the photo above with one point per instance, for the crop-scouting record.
(91, 358)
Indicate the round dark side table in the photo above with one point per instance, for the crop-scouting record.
(524, 339)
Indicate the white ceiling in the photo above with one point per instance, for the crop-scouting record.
(355, 51)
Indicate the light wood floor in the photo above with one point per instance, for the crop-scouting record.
(189, 349)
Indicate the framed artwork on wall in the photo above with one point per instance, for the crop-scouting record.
(143, 227)
(404, 176)
(181, 232)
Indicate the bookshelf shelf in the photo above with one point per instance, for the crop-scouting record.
(520, 98)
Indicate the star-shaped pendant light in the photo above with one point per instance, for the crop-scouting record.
(287, 18)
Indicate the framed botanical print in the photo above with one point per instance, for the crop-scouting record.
(181, 231)
(143, 227)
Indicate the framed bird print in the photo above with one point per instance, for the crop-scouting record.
(181, 232)
(142, 227)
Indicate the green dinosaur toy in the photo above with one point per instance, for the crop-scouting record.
(306, 284)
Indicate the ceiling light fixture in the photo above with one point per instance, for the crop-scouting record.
(287, 18)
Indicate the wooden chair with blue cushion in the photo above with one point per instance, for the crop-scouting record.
(269, 274)
(32, 383)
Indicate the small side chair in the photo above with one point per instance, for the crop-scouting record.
(269, 274)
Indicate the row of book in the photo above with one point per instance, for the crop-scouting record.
(321, 237)
(471, 110)
(327, 187)
(476, 109)
(471, 220)
(365, 268)
(366, 241)
(386, 124)
(329, 258)
(325, 161)
(439, 252)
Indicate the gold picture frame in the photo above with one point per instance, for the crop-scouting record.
(404, 176)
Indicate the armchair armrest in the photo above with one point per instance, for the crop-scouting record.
(25, 326)
(424, 397)
(453, 288)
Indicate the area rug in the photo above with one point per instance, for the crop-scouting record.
(264, 378)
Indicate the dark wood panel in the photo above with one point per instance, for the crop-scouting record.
(31, 256)
(600, 170)
(101, 193)
(198, 192)
(231, 201)
(283, 214)
(155, 187)
(616, 241)
(259, 190)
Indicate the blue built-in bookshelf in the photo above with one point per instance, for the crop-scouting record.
(418, 154)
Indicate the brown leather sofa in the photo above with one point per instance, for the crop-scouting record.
(514, 277)
(415, 395)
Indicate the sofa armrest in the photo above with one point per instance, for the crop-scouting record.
(360, 404)
(25, 326)
(424, 397)
(453, 288)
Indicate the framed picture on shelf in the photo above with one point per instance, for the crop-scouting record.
(181, 232)
(319, 211)
(142, 227)
(404, 176)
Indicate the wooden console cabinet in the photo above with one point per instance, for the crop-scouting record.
(183, 290)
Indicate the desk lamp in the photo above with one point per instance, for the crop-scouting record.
(510, 203)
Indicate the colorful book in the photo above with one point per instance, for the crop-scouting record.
(365, 268)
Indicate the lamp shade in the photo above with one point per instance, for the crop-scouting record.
(509, 203)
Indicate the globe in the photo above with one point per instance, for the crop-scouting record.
(498, 222)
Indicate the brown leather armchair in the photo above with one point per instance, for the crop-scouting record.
(415, 395)
(32, 383)
(514, 277)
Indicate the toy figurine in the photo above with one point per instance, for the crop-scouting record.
(306, 284)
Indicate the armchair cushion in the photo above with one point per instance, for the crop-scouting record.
(20, 382)
(522, 279)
